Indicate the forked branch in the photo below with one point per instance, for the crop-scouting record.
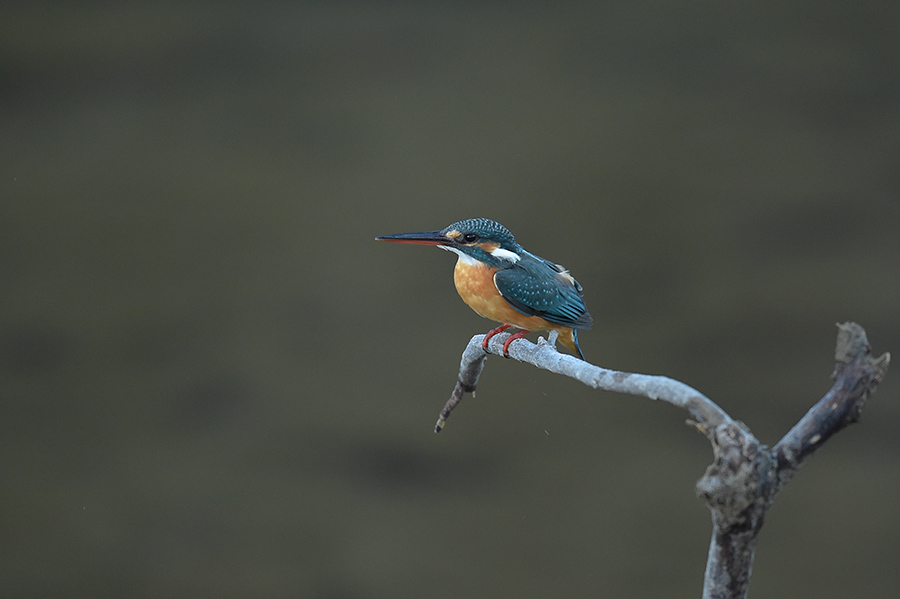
(745, 476)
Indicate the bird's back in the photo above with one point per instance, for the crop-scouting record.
(537, 287)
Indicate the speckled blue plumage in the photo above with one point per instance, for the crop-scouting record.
(536, 287)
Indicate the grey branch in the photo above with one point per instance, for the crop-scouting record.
(745, 476)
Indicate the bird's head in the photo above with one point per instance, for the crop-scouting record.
(474, 239)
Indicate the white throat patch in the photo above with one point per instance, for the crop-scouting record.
(464, 258)
(499, 253)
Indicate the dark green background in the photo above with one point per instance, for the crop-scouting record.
(215, 383)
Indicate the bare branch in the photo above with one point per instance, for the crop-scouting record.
(745, 476)
(706, 414)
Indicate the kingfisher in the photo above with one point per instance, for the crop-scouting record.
(505, 283)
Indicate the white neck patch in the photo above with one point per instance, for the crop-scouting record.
(505, 255)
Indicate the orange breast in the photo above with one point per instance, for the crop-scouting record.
(475, 284)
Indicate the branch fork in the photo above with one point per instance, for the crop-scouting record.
(745, 476)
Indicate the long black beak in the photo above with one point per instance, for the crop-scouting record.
(425, 238)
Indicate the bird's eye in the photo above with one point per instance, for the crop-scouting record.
(470, 237)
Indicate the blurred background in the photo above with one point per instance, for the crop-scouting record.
(215, 383)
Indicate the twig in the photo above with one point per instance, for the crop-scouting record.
(745, 476)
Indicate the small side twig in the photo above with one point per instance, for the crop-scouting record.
(470, 368)
(856, 374)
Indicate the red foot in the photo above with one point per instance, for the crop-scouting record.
(491, 333)
(512, 338)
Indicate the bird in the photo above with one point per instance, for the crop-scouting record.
(502, 281)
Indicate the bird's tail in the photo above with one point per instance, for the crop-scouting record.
(569, 338)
